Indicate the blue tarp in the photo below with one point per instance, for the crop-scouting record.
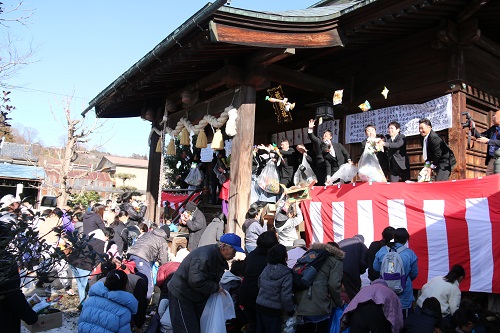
(8, 170)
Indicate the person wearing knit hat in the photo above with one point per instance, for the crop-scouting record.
(194, 220)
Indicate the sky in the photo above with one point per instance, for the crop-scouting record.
(80, 47)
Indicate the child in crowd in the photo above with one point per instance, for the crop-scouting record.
(275, 291)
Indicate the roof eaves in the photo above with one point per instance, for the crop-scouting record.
(192, 23)
(304, 15)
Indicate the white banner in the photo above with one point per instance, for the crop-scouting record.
(438, 111)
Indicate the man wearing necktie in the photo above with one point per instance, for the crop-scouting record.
(491, 137)
(436, 152)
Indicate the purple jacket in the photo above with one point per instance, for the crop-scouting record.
(379, 293)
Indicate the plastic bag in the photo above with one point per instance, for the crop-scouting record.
(369, 169)
(195, 177)
(304, 175)
(268, 179)
(290, 325)
(335, 319)
(346, 172)
(219, 308)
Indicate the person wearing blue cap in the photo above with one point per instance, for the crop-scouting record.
(197, 278)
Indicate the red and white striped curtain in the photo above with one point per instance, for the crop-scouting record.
(451, 222)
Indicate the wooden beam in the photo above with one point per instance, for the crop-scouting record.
(241, 161)
(489, 45)
(251, 37)
(473, 7)
(269, 57)
(301, 80)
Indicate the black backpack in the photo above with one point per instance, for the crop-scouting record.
(306, 268)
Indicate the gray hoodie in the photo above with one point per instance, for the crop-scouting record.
(275, 288)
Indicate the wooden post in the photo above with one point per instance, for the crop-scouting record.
(152, 187)
(457, 137)
(241, 161)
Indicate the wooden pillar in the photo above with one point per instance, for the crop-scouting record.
(457, 138)
(153, 212)
(241, 161)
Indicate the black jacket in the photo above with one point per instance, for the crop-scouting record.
(287, 165)
(255, 262)
(493, 141)
(92, 221)
(199, 274)
(438, 152)
(396, 150)
(341, 154)
(13, 304)
(422, 322)
(82, 260)
(120, 237)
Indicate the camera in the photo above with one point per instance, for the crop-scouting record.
(469, 123)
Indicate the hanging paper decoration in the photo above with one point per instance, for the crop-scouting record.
(337, 96)
(185, 137)
(231, 122)
(365, 106)
(281, 105)
(217, 141)
(385, 92)
(201, 141)
(171, 148)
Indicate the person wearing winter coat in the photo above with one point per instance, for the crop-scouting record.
(121, 232)
(231, 281)
(92, 219)
(253, 227)
(196, 279)
(375, 308)
(315, 304)
(213, 231)
(150, 247)
(354, 263)
(445, 289)
(425, 320)
(109, 307)
(13, 304)
(275, 291)
(287, 218)
(410, 264)
(134, 216)
(255, 262)
(194, 220)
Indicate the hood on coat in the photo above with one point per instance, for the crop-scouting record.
(277, 271)
(228, 276)
(88, 214)
(161, 233)
(337, 253)
(123, 298)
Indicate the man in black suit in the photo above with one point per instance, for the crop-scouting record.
(287, 165)
(325, 149)
(491, 137)
(435, 151)
(395, 142)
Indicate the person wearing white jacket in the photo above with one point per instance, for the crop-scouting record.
(445, 289)
(288, 217)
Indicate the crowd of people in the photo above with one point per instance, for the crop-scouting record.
(281, 284)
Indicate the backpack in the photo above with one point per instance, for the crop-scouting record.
(130, 234)
(306, 268)
(392, 270)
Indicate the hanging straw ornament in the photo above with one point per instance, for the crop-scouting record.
(217, 141)
(171, 148)
(185, 137)
(158, 144)
(201, 141)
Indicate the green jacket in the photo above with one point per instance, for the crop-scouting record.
(325, 290)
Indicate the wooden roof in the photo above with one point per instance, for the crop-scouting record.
(214, 48)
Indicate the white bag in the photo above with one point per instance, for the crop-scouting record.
(219, 308)
(303, 177)
(369, 169)
(346, 172)
(195, 177)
